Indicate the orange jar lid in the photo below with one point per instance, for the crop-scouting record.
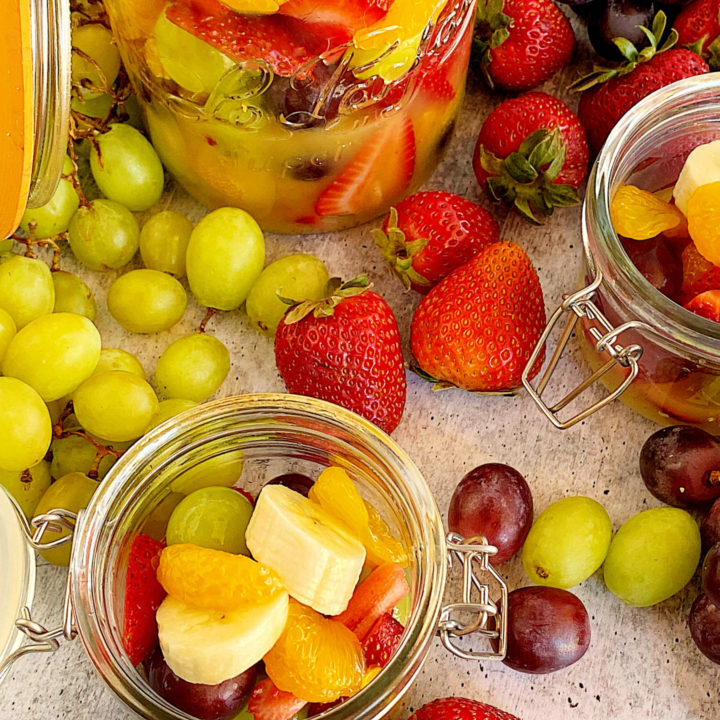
(16, 117)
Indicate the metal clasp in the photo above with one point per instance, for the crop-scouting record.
(581, 305)
(483, 616)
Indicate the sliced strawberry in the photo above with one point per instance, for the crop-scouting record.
(434, 79)
(382, 640)
(242, 37)
(706, 304)
(143, 595)
(382, 168)
(376, 595)
(269, 703)
(699, 274)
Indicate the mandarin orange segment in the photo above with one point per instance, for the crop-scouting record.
(215, 580)
(379, 543)
(640, 215)
(315, 658)
(703, 215)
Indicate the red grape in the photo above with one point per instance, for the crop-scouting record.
(710, 526)
(206, 702)
(548, 629)
(295, 481)
(704, 622)
(678, 463)
(494, 501)
(711, 574)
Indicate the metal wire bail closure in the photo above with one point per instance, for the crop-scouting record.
(482, 616)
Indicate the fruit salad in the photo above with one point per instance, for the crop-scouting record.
(310, 115)
(273, 606)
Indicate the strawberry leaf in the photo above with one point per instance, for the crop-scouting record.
(713, 51)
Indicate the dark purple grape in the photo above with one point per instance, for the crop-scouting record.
(618, 18)
(704, 622)
(494, 501)
(308, 169)
(295, 481)
(548, 629)
(678, 465)
(206, 702)
(657, 263)
(711, 574)
(710, 526)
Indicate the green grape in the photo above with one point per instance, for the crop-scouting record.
(26, 289)
(193, 367)
(104, 235)
(76, 454)
(167, 409)
(54, 217)
(653, 556)
(146, 301)
(163, 242)
(567, 543)
(54, 354)
(116, 359)
(295, 277)
(7, 332)
(126, 167)
(71, 492)
(25, 429)
(6, 247)
(96, 41)
(27, 488)
(95, 107)
(72, 295)
(116, 405)
(198, 67)
(220, 470)
(224, 257)
(213, 517)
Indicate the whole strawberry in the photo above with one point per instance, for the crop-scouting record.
(519, 44)
(345, 349)
(609, 93)
(698, 24)
(477, 328)
(457, 708)
(532, 152)
(427, 235)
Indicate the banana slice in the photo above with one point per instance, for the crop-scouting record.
(209, 647)
(701, 167)
(317, 559)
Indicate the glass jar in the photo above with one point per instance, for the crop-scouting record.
(662, 360)
(260, 437)
(318, 133)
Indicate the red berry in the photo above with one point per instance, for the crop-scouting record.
(382, 641)
(457, 708)
(268, 703)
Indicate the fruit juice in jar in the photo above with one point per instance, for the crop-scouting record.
(305, 116)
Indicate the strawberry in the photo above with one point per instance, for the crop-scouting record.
(268, 703)
(429, 234)
(382, 167)
(143, 595)
(608, 93)
(706, 304)
(375, 596)
(345, 349)
(532, 152)
(519, 44)
(271, 38)
(457, 708)
(698, 27)
(699, 274)
(382, 641)
(477, 328)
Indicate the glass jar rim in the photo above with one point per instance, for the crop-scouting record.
(669, 321)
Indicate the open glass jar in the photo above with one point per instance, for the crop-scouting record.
(262, 436)
(663, 360)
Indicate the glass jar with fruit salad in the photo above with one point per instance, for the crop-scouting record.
(630, 317)
(311, 115)
(151, 495)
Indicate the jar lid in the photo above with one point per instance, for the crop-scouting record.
(17, 576)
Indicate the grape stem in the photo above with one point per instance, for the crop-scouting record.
(210, 312)
(30, 242)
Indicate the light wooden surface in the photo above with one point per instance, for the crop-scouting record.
(641, 663)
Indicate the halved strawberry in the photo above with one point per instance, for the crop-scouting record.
(706, 304)
(143, 595)
(699, 274)
(382, 168)
(267, 702)
(382, 640)
(376, 595)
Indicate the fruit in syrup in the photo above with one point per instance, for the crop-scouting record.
(640, 215)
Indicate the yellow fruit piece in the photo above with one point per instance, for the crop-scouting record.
(315, 658)
(703, 215)
(370, 674)
(214, 580)
(640, 215)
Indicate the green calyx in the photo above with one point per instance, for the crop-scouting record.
(525, 178)
(633, 56)
(335, 291)
(711, 53)
(491, 30)
(397, 253)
